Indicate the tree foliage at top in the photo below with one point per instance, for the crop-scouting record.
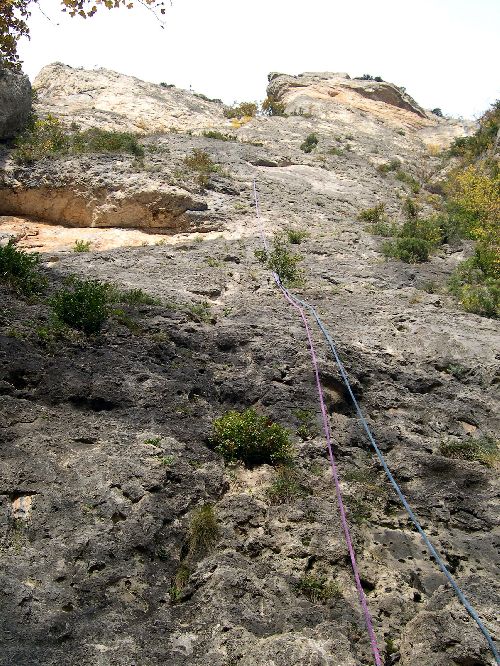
(14, 15)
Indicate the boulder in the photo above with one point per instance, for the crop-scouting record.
(15, 103)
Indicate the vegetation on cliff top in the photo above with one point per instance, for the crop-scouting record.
(473, 190)
(49, 138)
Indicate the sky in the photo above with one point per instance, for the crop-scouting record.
(445, 52)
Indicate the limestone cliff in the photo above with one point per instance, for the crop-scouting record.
(105, 439)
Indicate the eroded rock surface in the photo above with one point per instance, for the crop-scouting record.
(15, 103)
(114, 101)
(105, 449)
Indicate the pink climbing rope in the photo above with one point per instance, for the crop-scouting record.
(333, 465)
(343, 517)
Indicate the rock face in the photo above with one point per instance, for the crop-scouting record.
(15, 103)
(85, 193)
(310, 86)
(114, 101)
(105, 439)
(332, 96)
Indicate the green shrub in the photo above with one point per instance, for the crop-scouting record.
(241, 110)
(131, 296)
(308, 427)
(179, 582)
(200, 162)
(296, 236)
(437, 112)
(203, 531)
(475, 290)
(471, 147)
(251, 438)
(19, 270)
(97, 140)
(385, 229)
(273, 107)
(286, 487)
(484, 450)
(476, 282)
(310, 143)
(214, 134)
(409, 250)
(411, 209)
(393, 165)
(282, 261)
(81, 246)
(48, 138)
(318, 588)
(427, 229)
(84, 305)
(375, 214)
(217, 100)
(453, 227)
(412, 182)
(201, 311)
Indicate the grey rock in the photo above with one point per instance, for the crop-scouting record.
(105, 441)
(15, 103)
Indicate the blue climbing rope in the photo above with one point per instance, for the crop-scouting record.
(461, 596)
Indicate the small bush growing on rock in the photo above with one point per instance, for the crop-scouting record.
(19, 270)
(241, 110)
(214, 134)
(416, 239)
(393, 165)
(49, 138)
(427, 229)
(200, 162)
(97, 140)
(375, 214)
(251, 438)
(81, 246)
(482, 141)
(318, 588)
(179, 582)
(385, 229)
(286, 487)
(203, 531)
(46, 137)
(282, 261)
(334, 150)
(131, 296)
(308, 427)
(273, 107)
(296, 236)
(201, 311)
(84, 305)
(409, 250)
(475, 285)
(437, 112)
(205, 98)
(412, 182)
(310, 143)
(484, 450)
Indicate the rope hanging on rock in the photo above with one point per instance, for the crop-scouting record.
(299, 303)
(333, 465)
